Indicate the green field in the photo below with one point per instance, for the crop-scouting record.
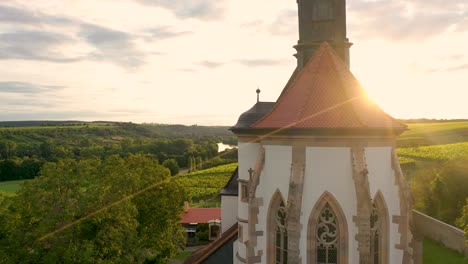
(435, 153)
(10, 186)
(434, 134)
(206, 184)
(433, 253)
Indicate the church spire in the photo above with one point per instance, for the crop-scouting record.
(319, 21)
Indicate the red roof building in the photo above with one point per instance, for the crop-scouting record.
(200, 215)
(326, 95)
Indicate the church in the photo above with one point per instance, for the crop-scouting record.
(319, 181)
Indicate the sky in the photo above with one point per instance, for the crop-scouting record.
(200, 61)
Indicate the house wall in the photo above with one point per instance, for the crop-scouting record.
(382, 178)
(228, 212)
(248, 153)
(329, 169)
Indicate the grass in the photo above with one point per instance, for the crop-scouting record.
(437, 152)
(10, 186)
(183, 255)
(433, 253)
(434, 134)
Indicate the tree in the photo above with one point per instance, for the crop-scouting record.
(191, 164)
(172, 165)
(441, 190)
(199, 163)
(120, 210)
(7, 149)
(463, 221)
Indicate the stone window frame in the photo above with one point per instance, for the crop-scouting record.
(244, 191)
(343, 240)
(275, 202)
(384, 230)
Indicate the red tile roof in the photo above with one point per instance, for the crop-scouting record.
(200, 215)
(326, 95)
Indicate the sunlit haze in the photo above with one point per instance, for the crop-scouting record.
(200, 61)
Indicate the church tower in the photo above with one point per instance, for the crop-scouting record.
(319, 21)
(319, 178)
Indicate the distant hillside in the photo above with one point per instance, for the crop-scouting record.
(41, 123)
(425, 134)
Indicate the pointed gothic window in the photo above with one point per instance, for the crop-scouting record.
(281, 236)
(379, 231)
(375, 235)
(327, 237)
(277, 235)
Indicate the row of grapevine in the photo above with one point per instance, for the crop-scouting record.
(435, 152)
(206, 183)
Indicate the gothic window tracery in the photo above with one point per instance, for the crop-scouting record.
(327, 239)
(379, 238)
(277, 230)
(375, 235)
(327, 235)
(281, 236)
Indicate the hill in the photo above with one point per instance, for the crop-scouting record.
(424, 134)
(206, 184)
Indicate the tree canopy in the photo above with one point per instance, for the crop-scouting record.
(116, 210)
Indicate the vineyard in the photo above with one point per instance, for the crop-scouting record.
(206, 184)
(433, 153)
(424, 134)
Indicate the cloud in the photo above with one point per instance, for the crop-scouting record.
(189, 70)
(35, 45)
(200, 9)
(13, 115)
(26, 39)
(403, 20)
(112, 45)
(26, 88)
(210, 64)
(166, 32)
(260, 62)
(27, 97)
(285, 23)
(461, 67)
(15, 15)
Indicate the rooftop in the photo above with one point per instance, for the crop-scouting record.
(326, 95)
(200, 215)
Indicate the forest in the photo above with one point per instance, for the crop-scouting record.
(98, 184)
(24, 150)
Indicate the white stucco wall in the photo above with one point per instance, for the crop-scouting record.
(329, 169)
(248, 153)
(326, 169)
(275, 176)
(247, 156)
(228, 212)
(382, 177)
